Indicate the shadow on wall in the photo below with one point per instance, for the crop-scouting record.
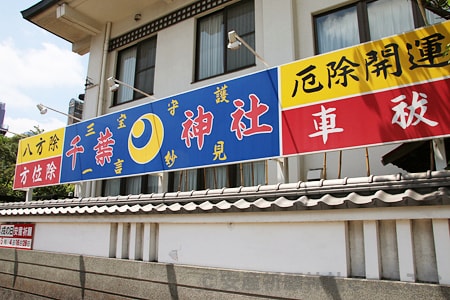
(172, 281)
(330, 286)
(82, 276)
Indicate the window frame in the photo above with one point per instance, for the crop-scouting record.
(123, 185)
(137, 46)
(224, 12)
(235, 177)
(363, 20)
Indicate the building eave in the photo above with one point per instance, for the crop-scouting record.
(38, 8)
(78, 21)
(46, 14)
(430, 188)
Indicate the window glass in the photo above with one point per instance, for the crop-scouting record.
(152, 184)
(185, 180)
(145, 69)
(363, 21)
(387, 17)
(136, 67)
(337, 30)
(213, 56)
(111, 187)
(245, 174)
(242, 20)
(147, 54)
(211, 46)
(253, 173)
(127, 67)
(216, 177)
(133, 185)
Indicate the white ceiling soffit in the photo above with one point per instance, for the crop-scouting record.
(78, 20)
(72, 17)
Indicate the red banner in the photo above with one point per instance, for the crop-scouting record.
(38, 173)
(400, 114)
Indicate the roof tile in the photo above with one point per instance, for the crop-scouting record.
(429, 188)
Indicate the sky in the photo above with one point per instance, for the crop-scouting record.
(36, 67)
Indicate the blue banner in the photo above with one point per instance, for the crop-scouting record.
(228, 122)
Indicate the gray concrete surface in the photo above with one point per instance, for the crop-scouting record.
(43, 275)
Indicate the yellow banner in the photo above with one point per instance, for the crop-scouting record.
(412, 57)
(44, 145)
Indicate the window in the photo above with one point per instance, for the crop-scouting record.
(136, 67)
(135, 185)
(213, 56)
(245, 174)
(364, 21)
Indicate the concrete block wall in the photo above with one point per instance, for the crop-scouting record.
(43, 275)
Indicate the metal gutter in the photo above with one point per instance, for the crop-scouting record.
(38, 8)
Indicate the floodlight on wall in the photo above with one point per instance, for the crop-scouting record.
(43, 110)
(114, 85)
(235, 41)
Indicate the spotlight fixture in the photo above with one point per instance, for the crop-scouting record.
(43, 110)
(235, 41)
(114, 85)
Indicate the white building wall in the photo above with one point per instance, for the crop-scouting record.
(77, 238)
(284, 33)
(305, 248)
(175, 59)
(277, 24)
(401, 243)
(93, 104)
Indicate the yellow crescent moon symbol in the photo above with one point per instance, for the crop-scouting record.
(147, 152)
